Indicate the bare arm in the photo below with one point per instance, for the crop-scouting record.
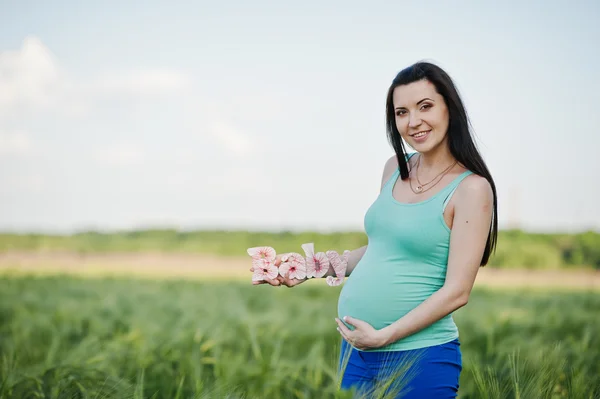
(353, 259)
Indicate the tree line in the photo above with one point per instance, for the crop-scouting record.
(516, 248)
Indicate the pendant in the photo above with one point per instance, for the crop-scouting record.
(419, 188)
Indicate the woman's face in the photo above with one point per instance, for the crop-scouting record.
(422, 116)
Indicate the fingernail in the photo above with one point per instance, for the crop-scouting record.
(345, 318)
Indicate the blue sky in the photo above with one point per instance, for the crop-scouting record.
(270, 115)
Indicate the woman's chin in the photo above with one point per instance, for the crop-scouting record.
(420, 147)
(425, 146)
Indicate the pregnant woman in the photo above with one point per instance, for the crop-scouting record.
(433, 224)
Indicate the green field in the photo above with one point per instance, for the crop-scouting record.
(64, 337)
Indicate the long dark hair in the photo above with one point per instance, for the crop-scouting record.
(460, 141)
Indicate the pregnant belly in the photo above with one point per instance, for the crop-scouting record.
(376, 309)
(382, 297)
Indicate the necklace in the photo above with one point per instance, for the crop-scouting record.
(420, 188)
(429, 182)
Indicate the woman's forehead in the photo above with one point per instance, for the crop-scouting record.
(414, 92)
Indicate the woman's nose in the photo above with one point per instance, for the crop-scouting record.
(414, 120)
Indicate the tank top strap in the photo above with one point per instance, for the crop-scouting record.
(394, 177)
(391, 180)
(449, 190)
(409, 156)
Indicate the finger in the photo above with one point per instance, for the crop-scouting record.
(266, 281)
(353, 322)
(342, 326)
(298, 281)
(280, 281)
(291, 284)
(274, 282)
(278, 260)
(345, 336)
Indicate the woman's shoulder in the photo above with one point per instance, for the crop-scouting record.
(475, 188)
(391, 165)
(388, 170)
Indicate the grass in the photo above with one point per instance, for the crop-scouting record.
(67, 337)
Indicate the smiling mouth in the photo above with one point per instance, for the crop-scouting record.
(420, 134)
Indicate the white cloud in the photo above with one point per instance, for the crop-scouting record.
(32, 77)
(121, 113)
(33, 85)
(29, 76)
(15, 143)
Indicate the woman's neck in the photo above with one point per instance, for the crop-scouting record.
(436, 159)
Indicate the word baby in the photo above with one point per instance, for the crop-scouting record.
(293, 265)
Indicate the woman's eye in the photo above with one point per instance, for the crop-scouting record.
(400, 113)
(425, 106)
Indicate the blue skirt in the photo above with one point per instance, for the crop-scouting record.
(430, 372)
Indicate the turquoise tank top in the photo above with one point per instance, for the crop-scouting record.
(405, 263)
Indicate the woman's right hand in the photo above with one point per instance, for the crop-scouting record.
(279, 280)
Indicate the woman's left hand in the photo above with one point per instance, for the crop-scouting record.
(364, 336)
